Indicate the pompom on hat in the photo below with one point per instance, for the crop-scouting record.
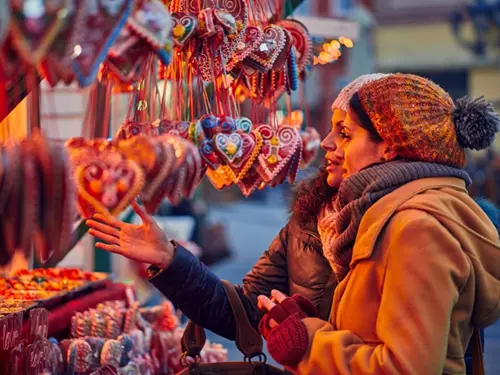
(342, 100)
(420, 121)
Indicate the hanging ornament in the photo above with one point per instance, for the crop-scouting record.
(35, 25)
(103, 22)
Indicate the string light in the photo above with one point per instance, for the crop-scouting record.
(332, 51)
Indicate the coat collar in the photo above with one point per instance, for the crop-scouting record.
(381, 212)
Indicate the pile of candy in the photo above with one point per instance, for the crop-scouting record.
(128, 340)
(42, 284)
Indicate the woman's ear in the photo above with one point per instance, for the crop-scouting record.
(388, 154)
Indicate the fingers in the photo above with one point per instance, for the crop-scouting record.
(109, 220)
(278, 296)
(107, 247)
(105, 237)
(265, 303)
(104, 228)
(139, 210)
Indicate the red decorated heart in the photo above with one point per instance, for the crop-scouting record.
(57, 62)
(178, 128)
(279, 145)
(102, 24)
(131, 129)
(184, 28)
(302, 41)
(152, 21)
(311, 142)
(157, 180)
(251, 40)
(209, 154)
(270, 49)
(129, 66)
(107, 185)
(250, 182)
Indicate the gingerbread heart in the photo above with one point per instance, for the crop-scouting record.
(178, 128)
(131, 129)
(302, 41)
(279, 145)
(34, 28)
(226, 19)
(311, 143)
(251, 41)
(152, 21)
(250, 182)
(57, 62)
(252, 145)
(107, 185)
(102, 25)
(209, 125)
(228, 146)
(244, 125)
(184, 27)
(157, 182)
(129, 67)
(208, 154)
(225, 125)
(270, 49)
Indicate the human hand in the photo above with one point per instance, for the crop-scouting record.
(280, 307)
(282, 327)
(145, 243)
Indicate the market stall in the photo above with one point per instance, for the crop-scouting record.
(208, 86)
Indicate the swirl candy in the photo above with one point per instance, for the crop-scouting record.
(111, 353)
(137, 337)
(97, 327)
(244, 124)
(96, 344)
(79, 356)
(128, 345)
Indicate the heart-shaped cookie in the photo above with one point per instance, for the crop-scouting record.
(156, 185)
(311, 143)
(177, 128)
(302, 41)
(279, 145)
(209, 125)
(252, 38)
(250, 182)
(228, 146)
(152, 21)
(270, 49)
(226, 125)
(208, 154)
(57, 62)
(129, 66)
(103, 22)
(244, 125)
(184, 27)
(34, 28)
(131, 129)
(107, 186)
(252, 145)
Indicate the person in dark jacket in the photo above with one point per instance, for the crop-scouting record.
(294, 262)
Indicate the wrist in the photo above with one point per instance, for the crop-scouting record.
(167, 255)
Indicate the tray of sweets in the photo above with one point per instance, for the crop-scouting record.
(9, 306)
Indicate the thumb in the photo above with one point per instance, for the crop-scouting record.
(139, 210)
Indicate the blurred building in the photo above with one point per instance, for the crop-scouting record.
(417, 37)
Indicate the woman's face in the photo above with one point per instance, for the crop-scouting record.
(331, 144)
(358, 149)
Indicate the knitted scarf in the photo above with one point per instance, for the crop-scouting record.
(338, 222)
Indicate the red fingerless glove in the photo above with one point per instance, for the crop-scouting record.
(288, 342)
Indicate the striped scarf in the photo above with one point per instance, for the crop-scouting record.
(338, 222)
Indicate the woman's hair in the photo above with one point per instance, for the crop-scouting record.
(364, 121)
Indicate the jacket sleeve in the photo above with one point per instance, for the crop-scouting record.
(200, 295)
(425, 270)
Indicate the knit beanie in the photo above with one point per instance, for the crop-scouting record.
(420, 121)
(342, 101)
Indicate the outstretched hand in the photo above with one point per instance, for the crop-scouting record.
(145, 243)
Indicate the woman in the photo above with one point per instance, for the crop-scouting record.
(418, 262)
(294, 262)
